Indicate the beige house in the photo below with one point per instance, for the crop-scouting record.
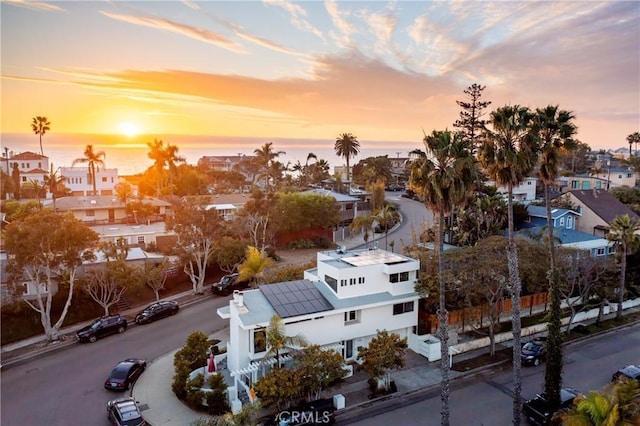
(597, 210)
(105, 209)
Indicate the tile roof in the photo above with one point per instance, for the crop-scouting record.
(603, 204)
(28, 155)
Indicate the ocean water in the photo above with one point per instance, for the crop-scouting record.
(129, 155)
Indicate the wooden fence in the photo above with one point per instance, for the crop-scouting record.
(479, 315)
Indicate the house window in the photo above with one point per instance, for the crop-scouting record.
(574, 184)
(39, 165)
(562, 221)
(598, 185)
(400, 277)
(104, 179)
(570, 222)
(402, 308)
(24, 178)
(140, 239)
(352, 281)
(612, 250)
(629, 175)
(259, 340)
(333, 283)
(600, 251)
(360, 280)
(343, 283)
(90, 213)
(351, 317)
(528, 182)
(619, 176)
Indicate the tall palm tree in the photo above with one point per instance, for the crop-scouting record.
(94, 160)
(624, 233)
(444, 176)
(40, 126)
(347, 146)
(156, 153)
(508, 155)
(554, 130)
(631, 139)
(310, 156)
(265, 156)
(171, 157)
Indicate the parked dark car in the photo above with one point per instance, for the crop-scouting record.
(125, 374)
(124, 412)
(103, 326)
(533, 352)
(228, 283)
(537, 410)
(157, 311)
(395, 187)
(630, 372)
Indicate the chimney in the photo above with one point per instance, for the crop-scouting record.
(238, 298)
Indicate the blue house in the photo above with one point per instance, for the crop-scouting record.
(564, 230)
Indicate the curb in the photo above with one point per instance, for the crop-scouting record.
(65, 341)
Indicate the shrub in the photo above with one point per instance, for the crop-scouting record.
(217, 397)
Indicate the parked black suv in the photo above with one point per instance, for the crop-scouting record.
(124, 412)
(228, 283)
(537, 411)
(101, 327)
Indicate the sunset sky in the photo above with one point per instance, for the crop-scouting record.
(313, 69)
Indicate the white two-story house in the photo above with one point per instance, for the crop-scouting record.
(340, 304)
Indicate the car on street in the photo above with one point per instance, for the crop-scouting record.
(124, 412)
(630, 371)
(125, 374)
(101, 327)
(228, 283)
(394, 187)
(534, 351)
(537, 411)
(157, 311)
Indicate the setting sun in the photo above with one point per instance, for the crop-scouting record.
(128, 129)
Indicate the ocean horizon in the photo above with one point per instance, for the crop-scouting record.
(129, 154)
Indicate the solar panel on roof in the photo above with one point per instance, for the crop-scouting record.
(294, 298)
(373, 257)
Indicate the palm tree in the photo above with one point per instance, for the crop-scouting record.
(265, 156)
(94, 160)
(40, 126)
(633, 138)
(156, 154)
(171, 157)
(624, 235)
(616, 404)
(554, 130)
(363, 223)
(53, 181)
(386, 218)
(310, 156)
(254, 265)
(444, 176)
(347, 146)
(508, 155)
(277, 340)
